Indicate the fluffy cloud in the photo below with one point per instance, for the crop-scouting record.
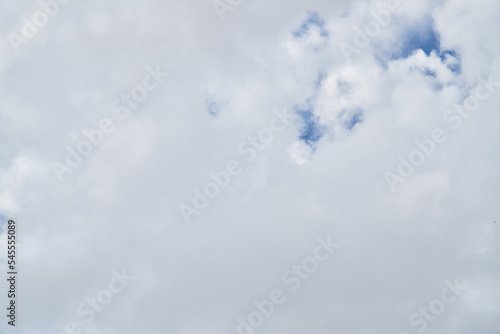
(321, 175)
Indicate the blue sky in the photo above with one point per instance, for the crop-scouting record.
(313, 19)
(421, 36)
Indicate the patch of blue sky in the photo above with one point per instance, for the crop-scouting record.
(213, 107)
(313, 19)
(344, 88)
(419, 37)
(456, 66)
(428, 72)
(311, 131)
(424, 37)
(319, 80)
(351, 118)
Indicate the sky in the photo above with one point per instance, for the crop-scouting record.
(241, 167)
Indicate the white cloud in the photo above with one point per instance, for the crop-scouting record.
(119, 208)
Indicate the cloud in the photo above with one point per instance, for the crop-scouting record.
(323, 174)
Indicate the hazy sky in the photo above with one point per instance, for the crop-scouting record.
(337, 158)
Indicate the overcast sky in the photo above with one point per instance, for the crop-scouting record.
(357, 140)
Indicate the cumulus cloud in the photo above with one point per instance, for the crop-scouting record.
(318, 171)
